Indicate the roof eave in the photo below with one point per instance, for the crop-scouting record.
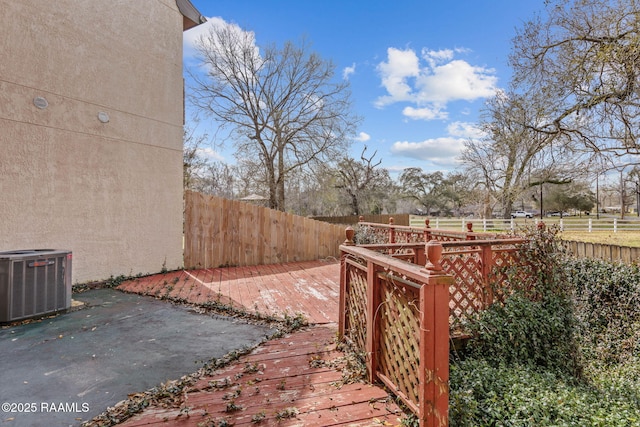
(191, 15)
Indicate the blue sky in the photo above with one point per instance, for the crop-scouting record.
(419, 71)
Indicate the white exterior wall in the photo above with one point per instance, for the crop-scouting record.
(110, 192)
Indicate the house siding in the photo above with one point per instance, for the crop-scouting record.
(110, 192)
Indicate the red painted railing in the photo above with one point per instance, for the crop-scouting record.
(392, 233)
(477, 261)
(403, 297)
(397, 314)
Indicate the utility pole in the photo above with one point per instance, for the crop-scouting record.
(541, 214)
(597, 196)
(638, 198)
(621, 195)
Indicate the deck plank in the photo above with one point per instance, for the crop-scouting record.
(310, 288)
(283, 381)
(300, 370)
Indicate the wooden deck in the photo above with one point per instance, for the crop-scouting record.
(293, 381)
(309, 288)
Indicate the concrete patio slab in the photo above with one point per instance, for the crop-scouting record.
(63, 370)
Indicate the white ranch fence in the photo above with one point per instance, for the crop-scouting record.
(588, 224)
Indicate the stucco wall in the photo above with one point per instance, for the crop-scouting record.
(110, 192)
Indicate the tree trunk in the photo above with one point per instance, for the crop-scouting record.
(508, 207)
(487, 211)
(281, 176)
(273, 189)
(355, 207)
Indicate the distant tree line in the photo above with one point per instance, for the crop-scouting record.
(569, 116)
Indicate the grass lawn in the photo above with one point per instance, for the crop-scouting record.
(621, 238)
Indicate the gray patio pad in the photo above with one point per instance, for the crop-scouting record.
(68, 369)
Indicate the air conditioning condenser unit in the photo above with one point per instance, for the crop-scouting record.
(34, 282)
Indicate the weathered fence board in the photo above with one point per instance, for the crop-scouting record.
(221, 232)
(612, 253)
(400, 219)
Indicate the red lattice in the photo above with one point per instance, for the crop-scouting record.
(502, 271)
(407, 254)
(399, 326)
(445, 237)
(409, 236)
(356, 307)
(367, 234)
(466, 295)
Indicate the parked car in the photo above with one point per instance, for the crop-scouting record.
(562, 214)
(521, 214)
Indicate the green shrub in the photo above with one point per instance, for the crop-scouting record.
(516, 395)
(562, 349)
(538, 334)
(607, 301)
(535, 325)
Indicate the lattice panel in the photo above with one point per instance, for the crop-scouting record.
(366, 234)
(444, 237)
(466, 295)
(501, 273)
(406, 254)
(356, 307)
(409, 236)
(399, 328)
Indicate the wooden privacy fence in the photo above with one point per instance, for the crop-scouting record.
(221, 232)
(400, 219)
(611, 253)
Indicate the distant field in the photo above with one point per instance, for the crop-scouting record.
(607, 229)
(621, 238)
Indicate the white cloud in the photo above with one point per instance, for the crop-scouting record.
(464, 130)
(426, 113)
(431, 84)
(201, 33)
(210, 154)
(400, 65)
(191, 37)
(434, 57)
(442, 151)
(363, 137)
(348, 71)
(456, 80)
(395, 168)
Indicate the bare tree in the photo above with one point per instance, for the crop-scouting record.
(202, 173)
(584, 60)
(511, 154)
(192, 160)
(218, 178)
(282, 106)
(362, 181)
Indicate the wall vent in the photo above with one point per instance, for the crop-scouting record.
(34, 282)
